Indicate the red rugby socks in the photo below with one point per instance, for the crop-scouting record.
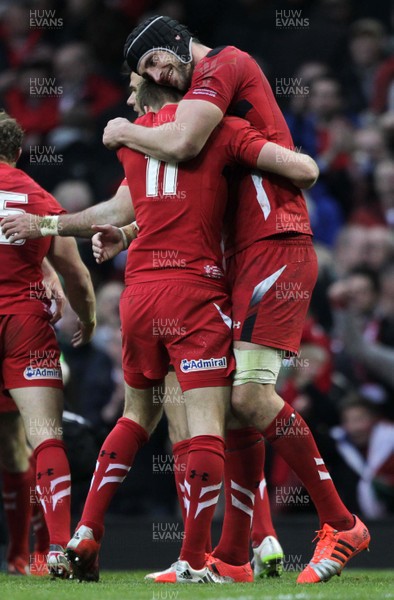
(113, 464)
(180, 451)
(243, 468)
(41, 536)
(202, 485)
(262, 520)
(291, 437)
(40, 530)
(17, 491)
(53, 487)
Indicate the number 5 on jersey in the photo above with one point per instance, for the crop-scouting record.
(12, 197)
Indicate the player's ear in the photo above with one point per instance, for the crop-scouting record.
(18, 154)
(147, 109)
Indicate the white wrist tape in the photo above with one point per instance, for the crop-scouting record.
(124, 238)
(49, 226)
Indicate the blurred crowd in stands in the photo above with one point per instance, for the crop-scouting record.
(331, 66)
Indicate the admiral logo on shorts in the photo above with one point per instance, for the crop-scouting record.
(41, 373)
(209, 364)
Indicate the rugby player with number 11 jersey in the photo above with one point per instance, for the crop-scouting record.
(227, 80)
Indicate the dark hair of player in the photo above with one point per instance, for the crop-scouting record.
(11, 136)
(155, 96)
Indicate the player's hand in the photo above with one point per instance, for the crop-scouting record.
(106, 243)
(84, 333)
(54, 291)
(21, 227)
(116, 133)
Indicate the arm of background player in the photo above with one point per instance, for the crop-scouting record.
(116, 211)
(177, 141)
(301, 169)
(65, 258)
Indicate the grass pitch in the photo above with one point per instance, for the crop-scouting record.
(353, 584)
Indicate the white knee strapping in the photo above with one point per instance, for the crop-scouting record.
(257, 366)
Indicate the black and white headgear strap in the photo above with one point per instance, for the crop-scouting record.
(158, 33)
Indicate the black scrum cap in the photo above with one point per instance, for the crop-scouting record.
(158, 33)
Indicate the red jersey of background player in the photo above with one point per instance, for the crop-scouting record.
(21, 289)
(233, 81)
(179, 209)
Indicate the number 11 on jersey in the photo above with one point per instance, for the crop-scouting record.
(170, 178)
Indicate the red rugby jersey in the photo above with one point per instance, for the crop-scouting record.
(233, 81)
(179, 208)
(21, 289)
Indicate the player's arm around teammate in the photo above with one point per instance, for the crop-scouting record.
(116, 211)
(300, 168)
